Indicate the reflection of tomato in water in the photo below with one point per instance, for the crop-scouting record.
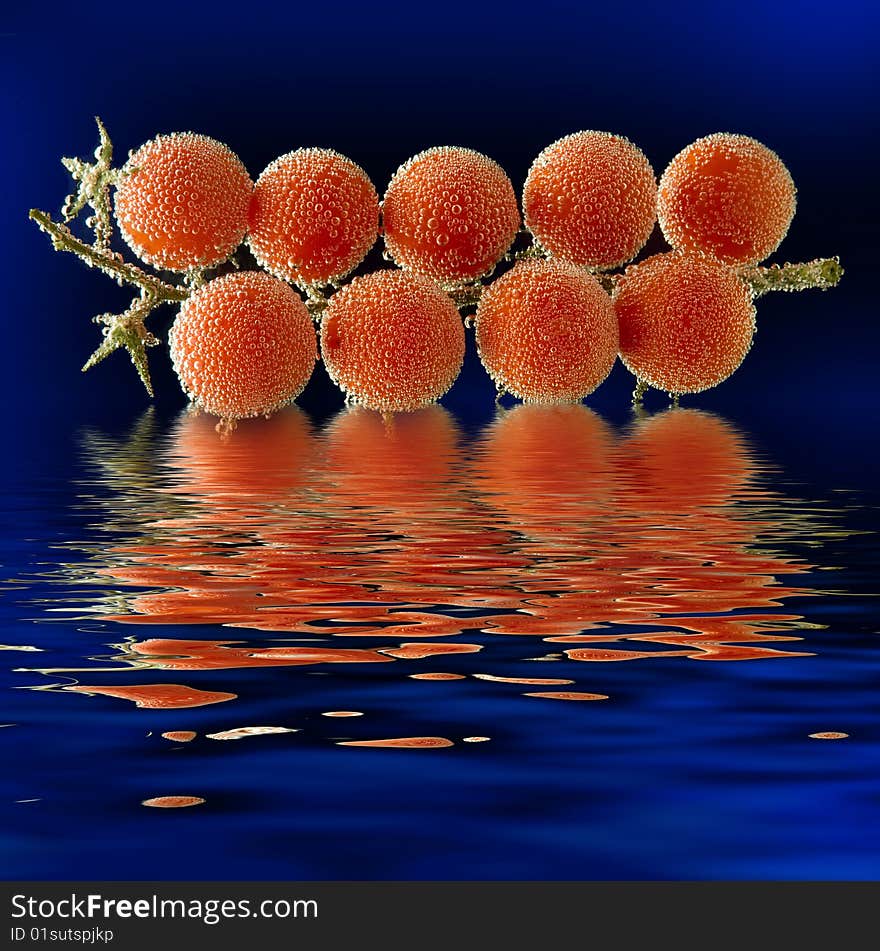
(402, 475)
(686, 542)
(260, 460)
(396, 473)
(396, 461)
(226, 491)
(386, 529)
(658, 536)
(548, 468)
(681, 473)
(252, 552)
(681, 460)
(549, 471)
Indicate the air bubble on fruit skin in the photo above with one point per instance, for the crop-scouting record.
(523, 355)
(151, 216)
(600, 229)
(729, 196)
(686, 322)
(444, 179)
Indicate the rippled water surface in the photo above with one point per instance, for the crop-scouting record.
(551, 648)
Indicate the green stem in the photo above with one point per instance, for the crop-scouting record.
(106, 260)
(129, 332)
(608, 281)
(466, 295)
(821, 273)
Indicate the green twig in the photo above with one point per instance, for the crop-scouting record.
(105, 260)
(821, 273)
(466, 295)
(608, 281)
(93, 188)
(126, 330)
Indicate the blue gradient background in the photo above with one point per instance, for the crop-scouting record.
(382, 83)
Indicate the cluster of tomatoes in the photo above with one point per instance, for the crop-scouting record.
(548, 330)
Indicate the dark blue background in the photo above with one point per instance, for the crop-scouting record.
(379, 84)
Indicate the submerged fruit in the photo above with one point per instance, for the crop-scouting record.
(450, 213)
(243, 345)
(182, 201)
(392, 340)
(728, 196)
(686, 323)
(546, 332)
(313, 217)
(590, 198)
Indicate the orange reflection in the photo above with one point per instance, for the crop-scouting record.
(412, 532)
(666, 536)
(383, 487)
(404, 742)
(396, 532)
(243, 732)
(417, 651)
(522, 680)
(159, 696)
(437, 676)
(261, 462)
(683, 460)
(375, 460)
(596, 654)
(173, 802)
(548, 469)
(173, 654)
(566, 695)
